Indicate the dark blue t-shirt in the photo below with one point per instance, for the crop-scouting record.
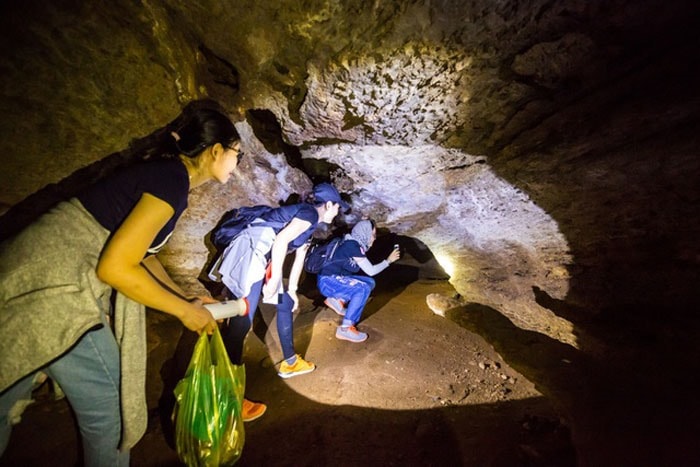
(285, 214)
(111, 199)
(342, 263)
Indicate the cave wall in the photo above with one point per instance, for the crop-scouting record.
(545, 152)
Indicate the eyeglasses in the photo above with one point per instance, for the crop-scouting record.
(239, 153)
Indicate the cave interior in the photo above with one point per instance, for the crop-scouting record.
(536, 161)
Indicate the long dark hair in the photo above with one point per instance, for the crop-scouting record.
(201, 124)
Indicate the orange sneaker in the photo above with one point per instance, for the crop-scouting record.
(252, 410)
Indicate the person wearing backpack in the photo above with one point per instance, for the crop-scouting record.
(276, 233)
(339, 280)
(57, 276)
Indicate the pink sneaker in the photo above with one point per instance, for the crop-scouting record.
(350, 333)
(336, 305)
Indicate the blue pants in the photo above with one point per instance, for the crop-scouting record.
(354, 290)
(89, 375)
(235, 331)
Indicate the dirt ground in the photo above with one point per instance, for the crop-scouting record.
(421, 390)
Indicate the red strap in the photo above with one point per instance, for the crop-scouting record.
(268, 271)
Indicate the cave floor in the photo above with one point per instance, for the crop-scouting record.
(421, 390)
(467, 389)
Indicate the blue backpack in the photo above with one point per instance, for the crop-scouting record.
(235, 220)
(321, 254)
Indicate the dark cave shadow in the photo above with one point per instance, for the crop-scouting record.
(507, 434)
(346, 435)
(617, 415)
(635, 269)
(560, 307)
(409, 245)
(633, 325)
(633, 245)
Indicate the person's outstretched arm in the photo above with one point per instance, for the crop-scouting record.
(120, 265)
(374, 269)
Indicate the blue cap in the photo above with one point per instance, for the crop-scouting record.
(324, 192)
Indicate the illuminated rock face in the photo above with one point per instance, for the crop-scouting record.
(544, 152)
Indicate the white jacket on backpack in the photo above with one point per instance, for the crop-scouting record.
(244, 260)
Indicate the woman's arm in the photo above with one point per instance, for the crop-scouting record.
(295, 274)
(374, 269)
(120, 264)
(279, 250)
(369, 268)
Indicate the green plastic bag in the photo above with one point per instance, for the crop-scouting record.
(208, 422)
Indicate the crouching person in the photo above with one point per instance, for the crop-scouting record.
(347, 291)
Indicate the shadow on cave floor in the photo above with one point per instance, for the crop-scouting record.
(631, 406)
(419, 391)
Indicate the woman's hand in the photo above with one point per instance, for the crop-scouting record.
(202, 299)
(394, 256)
(198, 319)
(293, 295)
(270, 290)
